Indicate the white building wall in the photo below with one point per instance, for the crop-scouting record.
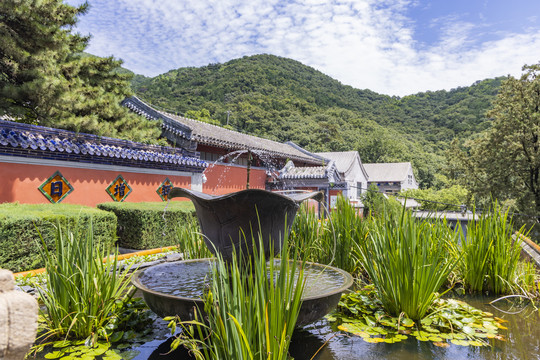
(410, 181)
(355, 177)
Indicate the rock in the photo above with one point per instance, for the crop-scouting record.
(26, 289)
(146, 264)
(7, 281)
(18, 319)
(173, 257)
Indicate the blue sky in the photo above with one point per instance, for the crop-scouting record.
(394, 47)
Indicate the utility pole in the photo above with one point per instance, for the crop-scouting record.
(228, 113)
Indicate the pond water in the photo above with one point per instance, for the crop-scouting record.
(190, 279)
(523, 341)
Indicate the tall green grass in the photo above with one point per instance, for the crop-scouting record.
(345, 229)
(190, 240)
(407, 260)
(252, 308)
(330, 241)
(305, 234)
(490, 253)
(83, 293)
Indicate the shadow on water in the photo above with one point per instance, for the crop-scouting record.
(523, 341)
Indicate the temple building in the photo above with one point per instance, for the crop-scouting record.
(41, 164)
(341, 173)
(227, 152)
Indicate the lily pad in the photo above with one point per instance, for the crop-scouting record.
(130, 354)
(442, 344)
(407, 322)
(61, 344)
(55, 354)
(447, 319)
(460, 342)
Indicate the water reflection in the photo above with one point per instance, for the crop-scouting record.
(523, 341)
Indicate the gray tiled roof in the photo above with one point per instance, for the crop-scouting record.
(387, 172)
(328, 172)
(18, 139)
(209, 134)
(344, 160)
(308, 172)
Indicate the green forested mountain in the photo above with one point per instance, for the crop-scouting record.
(282, 99)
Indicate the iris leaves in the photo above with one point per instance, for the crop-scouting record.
(408, 260)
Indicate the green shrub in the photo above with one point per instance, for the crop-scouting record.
(149, 225)
(19, 239)
(377, 204)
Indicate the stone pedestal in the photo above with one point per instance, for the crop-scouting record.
(18, 319)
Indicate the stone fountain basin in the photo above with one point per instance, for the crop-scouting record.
(177, 288)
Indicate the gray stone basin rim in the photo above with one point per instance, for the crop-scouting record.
(323, 288)
(230, 222)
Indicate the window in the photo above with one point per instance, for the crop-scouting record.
(358, 190)
(410, 179)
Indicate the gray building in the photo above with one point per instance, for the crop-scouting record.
(391, 178)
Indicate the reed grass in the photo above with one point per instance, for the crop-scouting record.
(344, 231)
(305, 234)
(490, 253)
(330, 241)
(251, 308)
(190, 240)
(83, 293)
(407, 260)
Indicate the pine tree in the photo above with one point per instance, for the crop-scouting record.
(46, 79)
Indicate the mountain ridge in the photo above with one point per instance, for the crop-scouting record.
(282, 99)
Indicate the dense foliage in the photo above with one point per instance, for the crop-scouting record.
(450, 198)
(283, 99)
(149, 225)
(503, 162)
(46, 79)
(20, 223)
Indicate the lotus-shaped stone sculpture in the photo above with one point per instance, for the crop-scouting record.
(233, 222)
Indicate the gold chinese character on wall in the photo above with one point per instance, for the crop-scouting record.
(56, 188)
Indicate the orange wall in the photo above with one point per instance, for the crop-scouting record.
(222, 179)
(21, 182)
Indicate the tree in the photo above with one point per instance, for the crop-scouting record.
(46, 79)
(439, 200)
(504, 161)
(376, 203)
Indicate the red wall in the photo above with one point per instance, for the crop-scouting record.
(21, 182)
(222, 179)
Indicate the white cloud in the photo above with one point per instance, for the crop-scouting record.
(363, 43)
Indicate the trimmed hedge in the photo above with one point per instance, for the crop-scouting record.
(19, 240)
(146, 225)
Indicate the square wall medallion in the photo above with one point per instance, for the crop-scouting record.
(56, 188)
(164, 188)
(119, 189)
